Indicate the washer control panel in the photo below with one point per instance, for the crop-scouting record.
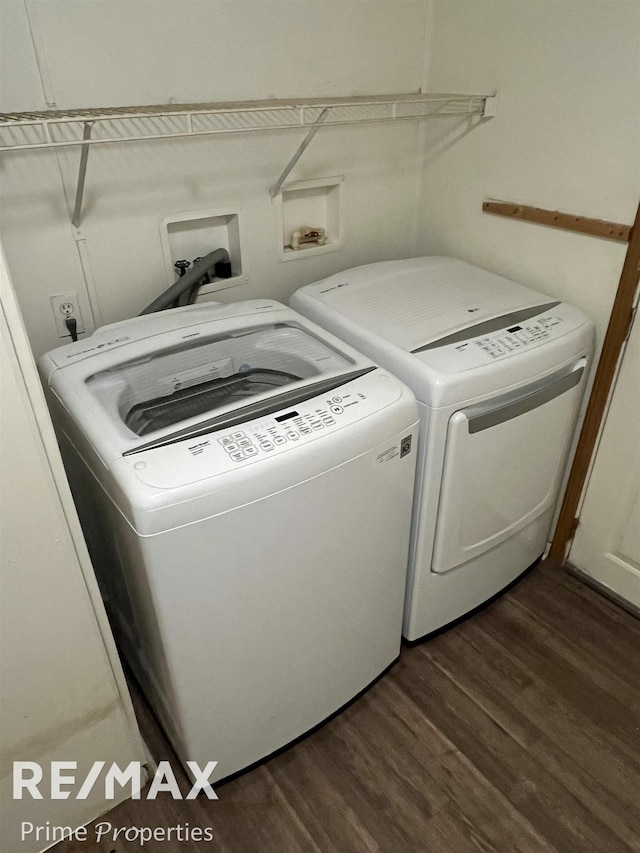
(288, 430)
(280, 431)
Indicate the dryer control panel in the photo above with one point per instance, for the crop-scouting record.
(479, 350)
(516, 337)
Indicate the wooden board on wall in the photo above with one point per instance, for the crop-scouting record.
(557, 219)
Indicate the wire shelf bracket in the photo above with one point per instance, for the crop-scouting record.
(298, 154)
(82, 172)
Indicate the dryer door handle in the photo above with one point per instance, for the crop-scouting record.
(500, 414)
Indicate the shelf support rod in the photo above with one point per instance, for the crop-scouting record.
(315, 127)
(82, 172)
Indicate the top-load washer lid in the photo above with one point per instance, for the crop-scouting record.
(420, 302)
(157, 379)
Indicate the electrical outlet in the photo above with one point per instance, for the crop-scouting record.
(66, 305)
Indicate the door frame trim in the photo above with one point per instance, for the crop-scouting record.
(620, 322)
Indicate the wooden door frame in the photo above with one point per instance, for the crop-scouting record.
(617, 331)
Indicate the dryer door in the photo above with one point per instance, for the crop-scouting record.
(503, 466)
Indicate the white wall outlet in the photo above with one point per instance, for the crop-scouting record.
(66, 305)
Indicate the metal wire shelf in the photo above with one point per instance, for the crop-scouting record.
(30, 130)
(34, 130)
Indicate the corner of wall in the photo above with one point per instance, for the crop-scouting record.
(429, 26)
(421, 137)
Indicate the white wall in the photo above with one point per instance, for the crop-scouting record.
(97, 52)
(62, 691)
(566, 137)
(117, 52)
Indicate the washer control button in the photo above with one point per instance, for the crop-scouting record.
(250, 451)
(337, 410)
(237, 455)
(279, 439)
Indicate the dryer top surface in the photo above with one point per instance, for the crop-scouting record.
(415, 302)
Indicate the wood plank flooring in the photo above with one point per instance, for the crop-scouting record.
(517, 731)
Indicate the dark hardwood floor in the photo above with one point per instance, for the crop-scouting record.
(517, 731)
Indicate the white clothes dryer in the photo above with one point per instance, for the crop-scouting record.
(499, 372)
(244, 481)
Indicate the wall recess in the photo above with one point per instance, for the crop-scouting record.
(193, 234)
(309, 204)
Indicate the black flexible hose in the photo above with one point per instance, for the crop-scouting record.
(187, 281)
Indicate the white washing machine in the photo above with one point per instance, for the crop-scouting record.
(499, 372)
(244, 481)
